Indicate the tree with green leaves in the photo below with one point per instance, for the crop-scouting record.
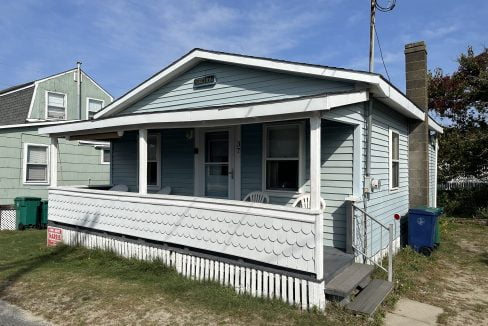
(462, 99)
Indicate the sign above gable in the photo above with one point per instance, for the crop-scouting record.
(204, 81)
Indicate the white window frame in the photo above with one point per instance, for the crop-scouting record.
(102, 149)
(46, 105)
(301, 159)
(390, 159)
(157, 186)
(87, 105)
(48, 165)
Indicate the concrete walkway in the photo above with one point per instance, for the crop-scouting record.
(408, 312)
(11, 315)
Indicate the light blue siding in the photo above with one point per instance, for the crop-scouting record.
(235, 85)
(251, 158)
(177, 161)
(124, 168)
(432, 170)
(336, 175)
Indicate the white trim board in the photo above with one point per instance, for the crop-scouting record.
(35, 124)
(24, 165)
(129, 122)
(18, 89)
(379, 87)
(435, 126)
(87, 105)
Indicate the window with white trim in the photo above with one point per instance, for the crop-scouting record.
(93, 107)
(154, 160)
(56, 106)
(36, 164)
(282, 157)
(105, 152)
(394, 159)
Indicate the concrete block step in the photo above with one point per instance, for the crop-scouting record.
(343, 284)
(369, 299)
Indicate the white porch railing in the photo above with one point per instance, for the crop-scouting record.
(271, 234)
(371, 239)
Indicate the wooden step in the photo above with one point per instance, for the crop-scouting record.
(369, 299)
(348, 280)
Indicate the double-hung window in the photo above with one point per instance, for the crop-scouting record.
(93, 106)
(282, 157)
(36, 164)
(154, 160)
(394, 159)
(55, 106)
(105, 156)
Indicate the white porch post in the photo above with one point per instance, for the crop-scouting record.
(142, 161)
(53, 161)
(315, 126)
(315, 160)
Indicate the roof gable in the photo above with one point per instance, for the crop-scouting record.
(234, 85)
(378, 86)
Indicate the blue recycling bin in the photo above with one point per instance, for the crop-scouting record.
(422, 224)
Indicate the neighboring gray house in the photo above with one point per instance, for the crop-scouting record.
(24, 154)
(260, 174)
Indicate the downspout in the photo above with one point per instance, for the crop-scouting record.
(78, 79)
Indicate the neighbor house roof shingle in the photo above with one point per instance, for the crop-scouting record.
(14, 106)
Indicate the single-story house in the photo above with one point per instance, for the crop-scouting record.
(266, 175)
(24, 153)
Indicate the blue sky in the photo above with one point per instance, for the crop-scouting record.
(121, 43)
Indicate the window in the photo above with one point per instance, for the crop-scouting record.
(56, 106)
(105, 156)
(36, 167)
(394, 159)
(92, 107)
(154, 160)
(282, 157)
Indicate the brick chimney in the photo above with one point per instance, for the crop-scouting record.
(418, 163)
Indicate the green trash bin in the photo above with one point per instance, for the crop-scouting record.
(43, 214)
(26, 212)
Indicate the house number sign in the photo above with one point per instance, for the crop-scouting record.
(207, 80)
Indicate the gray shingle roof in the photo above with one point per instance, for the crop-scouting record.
(14, 107)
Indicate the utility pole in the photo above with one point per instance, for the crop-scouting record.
(371, 35)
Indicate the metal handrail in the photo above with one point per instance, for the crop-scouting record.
(363, 252)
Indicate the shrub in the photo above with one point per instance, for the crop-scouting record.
(472, 203)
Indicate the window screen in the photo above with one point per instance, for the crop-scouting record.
(56, 106)
(36, 164)
(395, 160)
(93, 107)
(282, 157)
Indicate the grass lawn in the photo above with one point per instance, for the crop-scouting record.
(75, 286)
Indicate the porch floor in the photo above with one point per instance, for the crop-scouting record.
(335, 261)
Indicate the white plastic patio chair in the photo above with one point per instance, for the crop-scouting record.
(257, 197)
(165, 191)
(122, 188)
(304, 202)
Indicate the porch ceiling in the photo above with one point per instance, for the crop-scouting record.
(214, 116)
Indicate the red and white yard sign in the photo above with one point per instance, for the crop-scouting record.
(54, 236)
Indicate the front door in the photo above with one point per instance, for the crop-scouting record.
(218, 164)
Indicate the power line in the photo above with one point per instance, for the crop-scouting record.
(381, 54)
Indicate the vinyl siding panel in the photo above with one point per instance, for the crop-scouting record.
(66, 83)
(235, 85)
(432, 171)
(251, 158)
(77, 164)
(177, 162)
(124, 166)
